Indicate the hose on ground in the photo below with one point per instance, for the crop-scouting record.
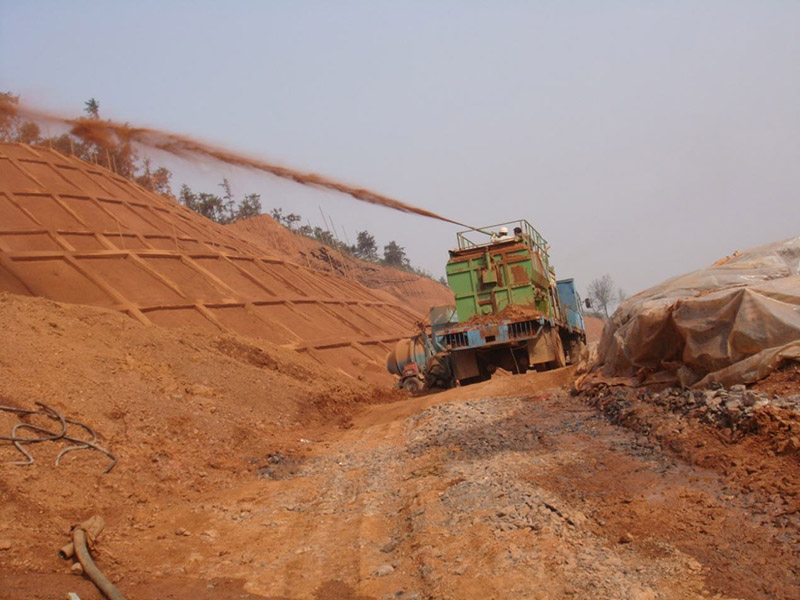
(51, 436)
(91, 570)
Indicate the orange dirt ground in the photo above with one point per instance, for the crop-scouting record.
(247, 470)
(185, 412)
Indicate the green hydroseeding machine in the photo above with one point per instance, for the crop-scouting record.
(510, 313)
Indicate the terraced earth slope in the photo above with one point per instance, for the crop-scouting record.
(409, 289)
(75, 232)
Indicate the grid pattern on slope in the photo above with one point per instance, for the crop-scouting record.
(76, 232)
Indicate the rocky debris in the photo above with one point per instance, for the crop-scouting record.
(749, 438)
(402, 595)
(278, 466)
(471, 429)
(5, 545)
(383, 571)
(789, 446)
(198, 389)
(492, 440)
(736, 409)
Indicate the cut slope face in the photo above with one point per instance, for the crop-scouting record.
(75, 232)
(417, 292)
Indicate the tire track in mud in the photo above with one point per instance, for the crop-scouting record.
(348, 532)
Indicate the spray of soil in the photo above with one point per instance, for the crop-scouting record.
(107, 133)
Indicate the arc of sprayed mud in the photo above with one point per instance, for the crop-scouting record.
(104, 132)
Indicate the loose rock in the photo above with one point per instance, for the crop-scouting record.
(383, 571)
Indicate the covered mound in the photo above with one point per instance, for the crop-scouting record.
(733, 322)
(74, 232)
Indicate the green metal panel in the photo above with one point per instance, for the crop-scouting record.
(486, 279)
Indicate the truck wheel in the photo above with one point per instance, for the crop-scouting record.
(413, 385)
(438, 373)
(561, 359)
(576, 346)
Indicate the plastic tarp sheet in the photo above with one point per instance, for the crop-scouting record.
(734, 322)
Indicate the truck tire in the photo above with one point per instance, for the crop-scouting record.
(413, 385)
(561, 358)
(438, 372)
(576, 346)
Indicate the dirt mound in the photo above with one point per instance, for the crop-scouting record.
(594, 328)
(74, 232)
(183, 411)
(781, 382)
(510, 312)
(416, 292)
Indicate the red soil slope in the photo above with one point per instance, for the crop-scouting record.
(185, 412)
(408, 289)
(594, 328)
(74, 232)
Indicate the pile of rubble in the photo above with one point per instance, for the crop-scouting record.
(737, 410)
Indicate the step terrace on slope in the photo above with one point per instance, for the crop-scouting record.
(75, 232)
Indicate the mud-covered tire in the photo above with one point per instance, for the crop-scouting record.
(576, 346)
(561, 357)
(438, 372)
(413, 385)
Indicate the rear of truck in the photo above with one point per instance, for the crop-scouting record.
(510, 313)
(509, 306)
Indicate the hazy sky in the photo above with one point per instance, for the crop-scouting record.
(642, 139)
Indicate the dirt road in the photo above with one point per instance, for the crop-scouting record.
(509, 489)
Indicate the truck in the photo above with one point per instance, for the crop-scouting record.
(510, 313)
